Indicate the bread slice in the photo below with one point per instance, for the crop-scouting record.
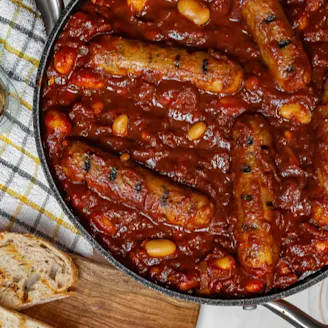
(32, 271)
(13, 319)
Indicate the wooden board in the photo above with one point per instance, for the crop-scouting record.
(105, 297)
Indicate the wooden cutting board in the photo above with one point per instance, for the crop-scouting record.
(105, 297)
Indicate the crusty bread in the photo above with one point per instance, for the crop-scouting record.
(32, 271)
(13, 319)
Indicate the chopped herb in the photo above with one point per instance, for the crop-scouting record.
(137, 187)
(246, 169)
(177, 61)
(271, 18)
(246, 197)
(284, 43)
(86, 164)
(113, 174)
(290, 69)
(250, 141)
(249, 226)
(205, 66)
(165, 196)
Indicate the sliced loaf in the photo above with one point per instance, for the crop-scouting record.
(33, 271)
(13, 319)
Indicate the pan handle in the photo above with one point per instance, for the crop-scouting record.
(50, 12)
(293, 315)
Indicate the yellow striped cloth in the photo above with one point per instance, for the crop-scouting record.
(26, 201)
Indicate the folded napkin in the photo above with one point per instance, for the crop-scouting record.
(26, 201)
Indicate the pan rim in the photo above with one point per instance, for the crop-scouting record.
(307, 282)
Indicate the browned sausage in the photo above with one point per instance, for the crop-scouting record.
(320, 206)
(154, 195)
(151, 61)
(280, 49)
(253, 178)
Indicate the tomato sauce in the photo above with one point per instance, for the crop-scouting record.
(160, 114)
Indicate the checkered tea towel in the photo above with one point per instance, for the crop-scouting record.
(26, 201)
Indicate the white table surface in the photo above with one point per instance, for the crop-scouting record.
(314, 301)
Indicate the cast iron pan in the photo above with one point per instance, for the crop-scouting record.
(56, 17)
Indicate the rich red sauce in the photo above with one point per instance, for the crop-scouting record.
(160, 115)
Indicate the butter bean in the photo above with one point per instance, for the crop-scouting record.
(197, 130)
(225, 263)
(125, 157)
(120, 126)
(195, 11)
(254, 286)
(98, 107)
(160, 247)
(57, 122)
(88, 79)
(296, 112)
(322, 246)
(64, 60)
(137, 5)
(104, 224)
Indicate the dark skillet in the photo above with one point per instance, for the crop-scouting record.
(272, 300)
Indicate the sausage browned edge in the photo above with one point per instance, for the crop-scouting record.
(153, 62)
(279, 47)
(320, 206)
(154, 195)
(253, 181)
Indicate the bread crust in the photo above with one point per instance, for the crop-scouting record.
(10, 318)
(33, 271)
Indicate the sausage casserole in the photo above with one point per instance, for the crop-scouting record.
(190, 137)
